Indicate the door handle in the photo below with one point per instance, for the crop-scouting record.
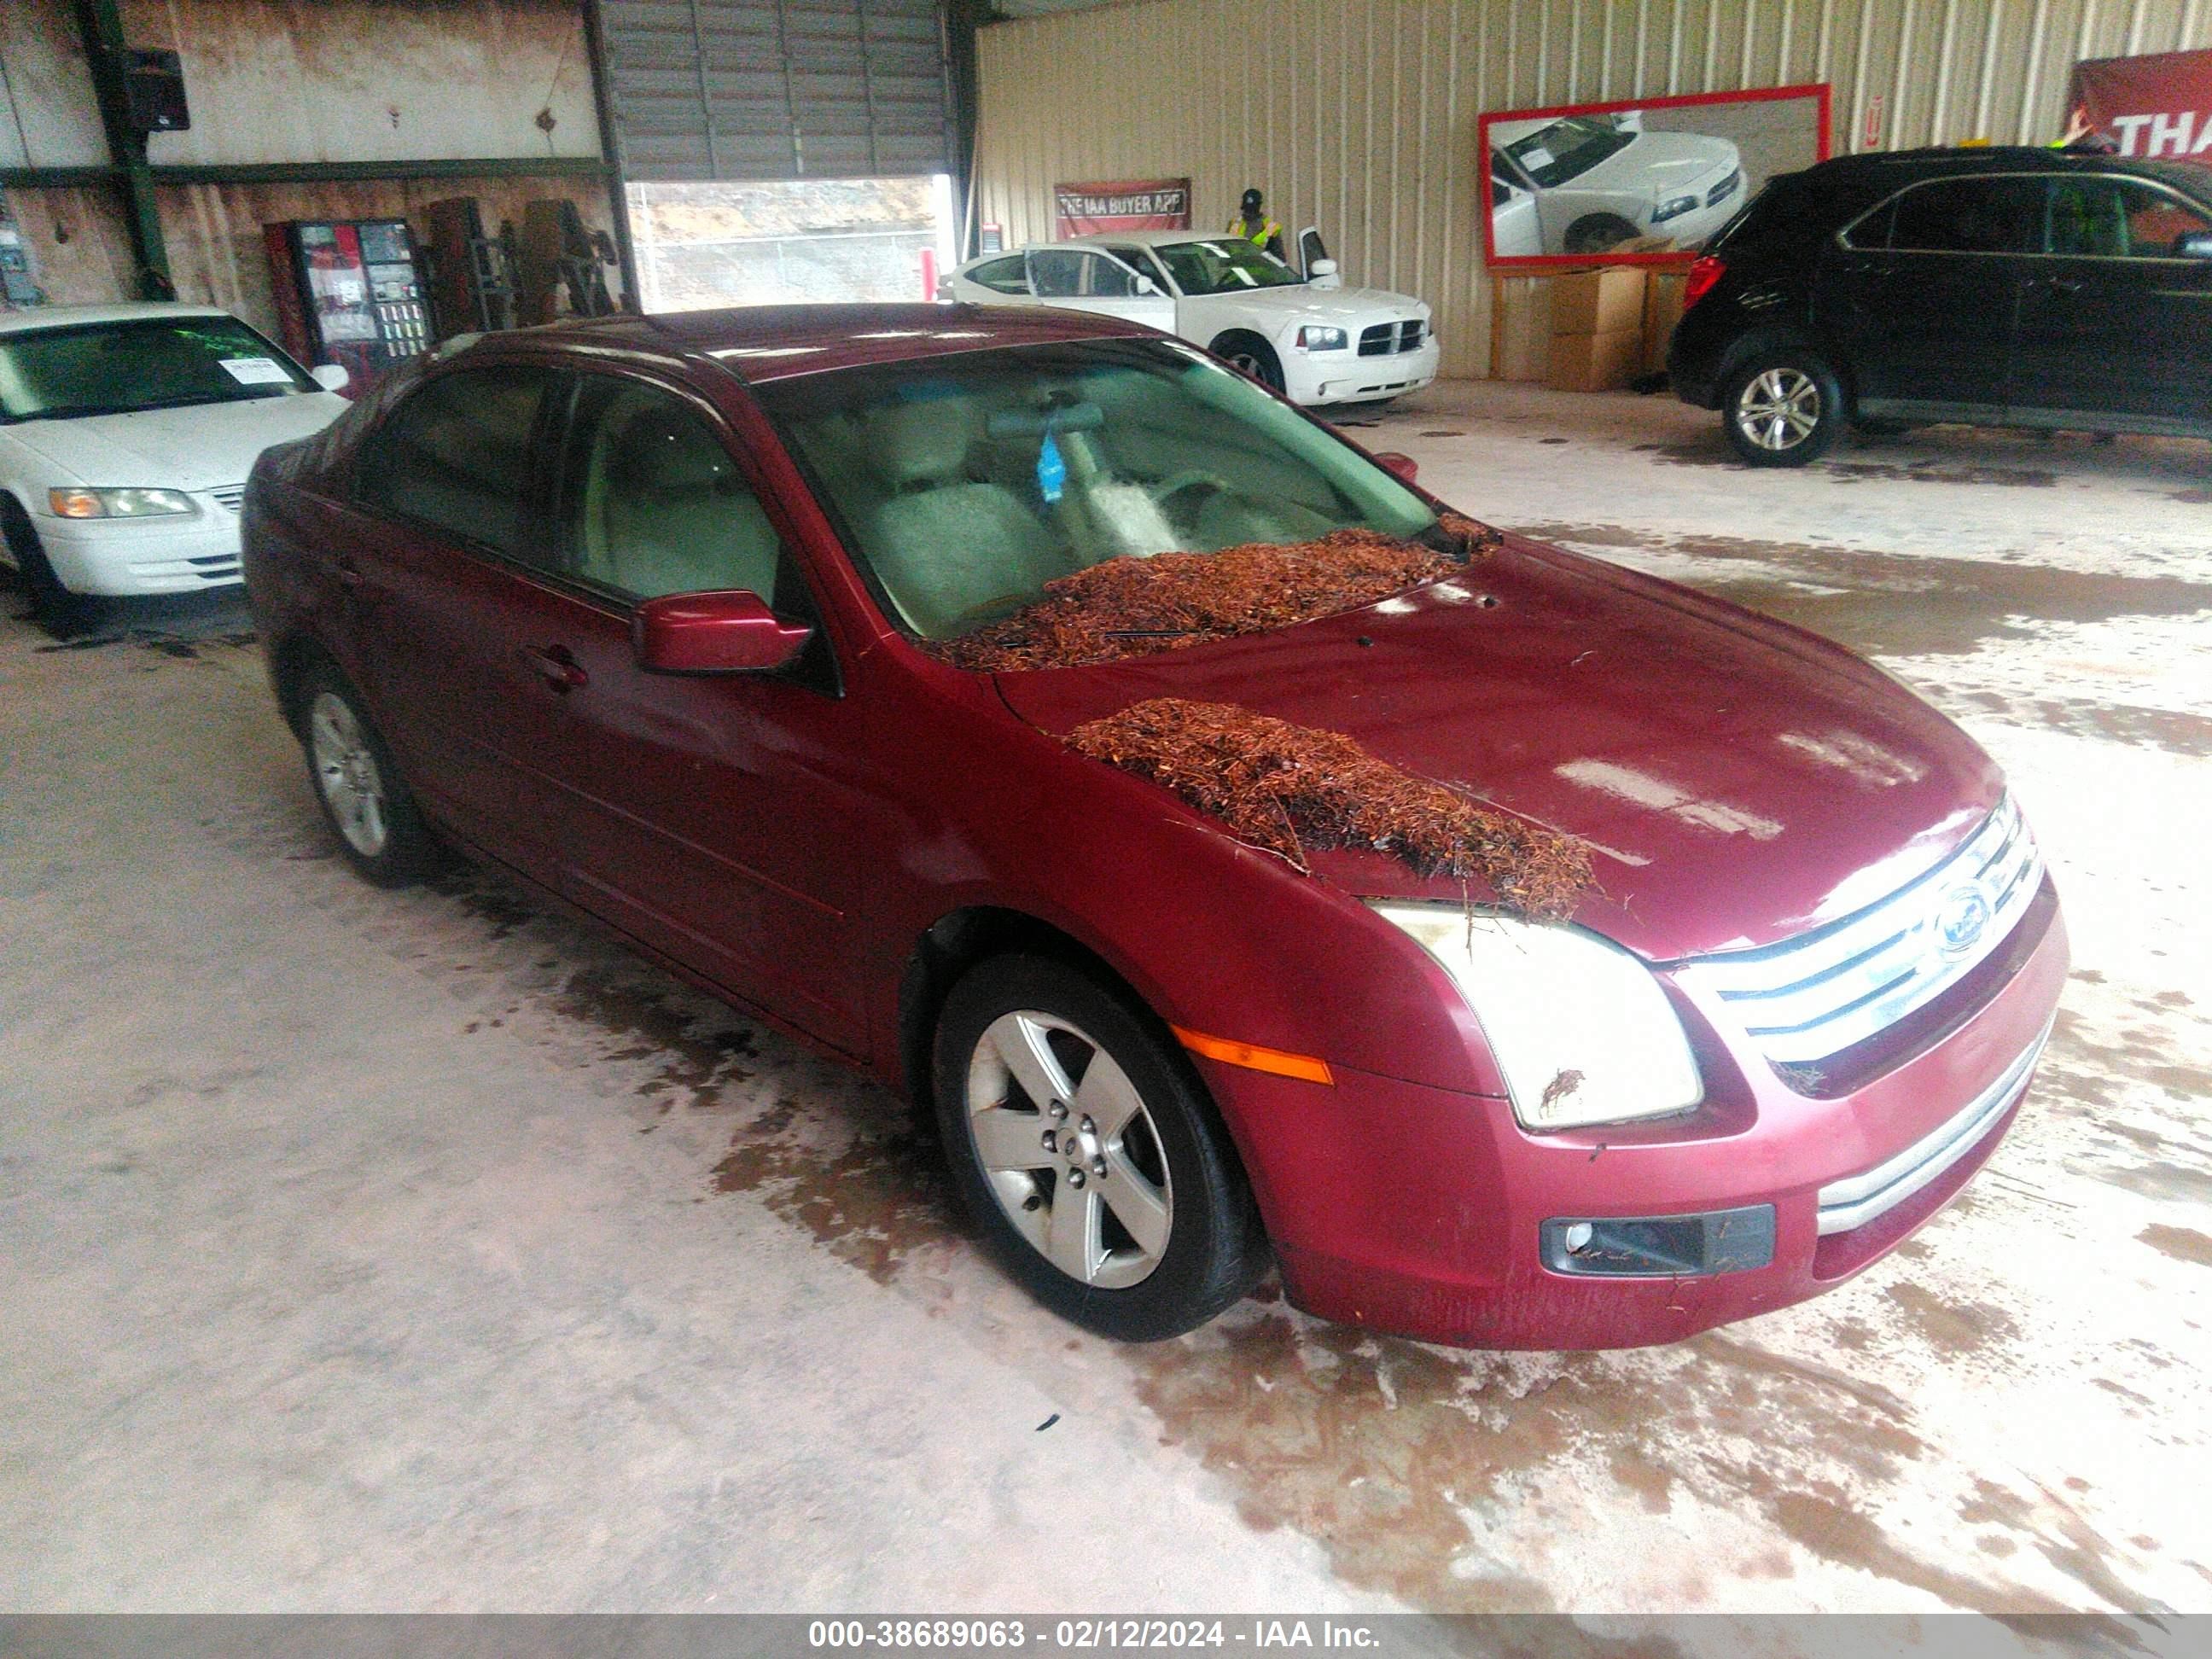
(2062, 284)
(554, 665)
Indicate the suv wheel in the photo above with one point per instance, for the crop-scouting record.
(1784, 409)
(1093, 1160)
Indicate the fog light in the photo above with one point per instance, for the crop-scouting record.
(1662, 1246)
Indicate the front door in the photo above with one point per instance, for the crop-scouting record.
(1922, 295)
(2118, 319)
(714, 818)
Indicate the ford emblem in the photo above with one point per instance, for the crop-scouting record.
(1961, 921)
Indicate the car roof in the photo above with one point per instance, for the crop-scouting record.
(1855, 178)
(759, 343)
(40, 316)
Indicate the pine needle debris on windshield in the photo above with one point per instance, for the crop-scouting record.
(1295, 789)
(1132, 607)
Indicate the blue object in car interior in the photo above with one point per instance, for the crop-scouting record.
(1052, 471)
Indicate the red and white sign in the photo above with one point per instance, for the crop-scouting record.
(2159, 105)
(1123, 204)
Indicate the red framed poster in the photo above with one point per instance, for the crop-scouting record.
(1638, 180)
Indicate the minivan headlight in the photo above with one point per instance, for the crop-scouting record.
(116, 503)
(1582, 1032)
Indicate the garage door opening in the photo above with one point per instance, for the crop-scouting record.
(702, 244)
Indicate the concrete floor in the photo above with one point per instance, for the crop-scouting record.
(364, 1250)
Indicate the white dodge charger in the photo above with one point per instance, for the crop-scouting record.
(126, 433)
(1315, 341)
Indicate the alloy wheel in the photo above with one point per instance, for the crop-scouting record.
(1068, 1150)
(346, 771)
(1779, 409)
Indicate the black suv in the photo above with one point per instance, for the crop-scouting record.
(2029, 288)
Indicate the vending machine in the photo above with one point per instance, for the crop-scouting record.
(350, 291)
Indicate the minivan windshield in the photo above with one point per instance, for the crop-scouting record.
(964, 483)
(140, 363)
(1568, 149)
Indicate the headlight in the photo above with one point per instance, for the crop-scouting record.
(1311, 338)
(1674, 209)
(116, 503)
(1579, 1028)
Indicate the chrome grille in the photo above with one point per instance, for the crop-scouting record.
(1388, 339)
(231, 495)
(1819, 994)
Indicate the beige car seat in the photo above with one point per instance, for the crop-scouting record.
(678, 517)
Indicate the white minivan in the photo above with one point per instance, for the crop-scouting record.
(1316, 342)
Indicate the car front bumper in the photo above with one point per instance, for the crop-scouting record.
(133, 557)
(1433, 1214)
(1313, 379)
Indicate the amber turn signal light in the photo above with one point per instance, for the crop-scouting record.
(1254, 1058)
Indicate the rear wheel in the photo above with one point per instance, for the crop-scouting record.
(1081, 1142)
(379, 829)
(1252, 355)
(1783, 408)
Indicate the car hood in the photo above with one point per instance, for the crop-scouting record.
(1737, 780)
(1661, 165)
(201, 446)
(1317, 305)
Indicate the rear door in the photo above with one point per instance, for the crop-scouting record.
(1085, 279)
(1922, 296)
(2116, 319)
(444, 601)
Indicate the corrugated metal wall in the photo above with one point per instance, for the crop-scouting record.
(1360, 115)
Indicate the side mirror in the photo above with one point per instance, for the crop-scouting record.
(1324, 268)
(2193, 245)
(332, 377)
(731, 632)
(1399, 466)
(1147, 285)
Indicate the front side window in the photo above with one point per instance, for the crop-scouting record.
(143, 363)
(1968, 215)
(1567, 150)
(2119, 219)
(1229, 265)
(457, 455)
(964, 483)
(653, 503)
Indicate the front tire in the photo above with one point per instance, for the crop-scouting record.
(364, 799)
(61, 612)
(1084, 1144)
(1598, 232)
(1785, 408)
(1254, 356)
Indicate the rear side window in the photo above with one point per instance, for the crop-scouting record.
(1006, 276)
(456, 456)
(1959, 216)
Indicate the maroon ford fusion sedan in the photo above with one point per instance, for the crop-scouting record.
(673, 618)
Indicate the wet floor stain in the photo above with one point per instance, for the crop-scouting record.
(1940, 473)
(1904, 604)
(2182, 1243)
(1948, 1328)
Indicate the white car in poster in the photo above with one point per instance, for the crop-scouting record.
(1596, 182)
(126, 433)
(1316, 342)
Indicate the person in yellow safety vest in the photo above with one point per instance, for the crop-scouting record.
(1254, 225)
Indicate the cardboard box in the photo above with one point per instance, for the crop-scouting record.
(1662, 309)
(1520, 328)
(1598, 301)
(1596, 362)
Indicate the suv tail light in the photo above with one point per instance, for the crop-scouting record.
(1704, 271)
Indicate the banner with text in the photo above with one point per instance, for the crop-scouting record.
(2158, 105)
(1124, 204)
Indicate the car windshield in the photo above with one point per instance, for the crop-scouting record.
(152, 363)
(964, 483)
(1225, 266)
(1567, 149)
